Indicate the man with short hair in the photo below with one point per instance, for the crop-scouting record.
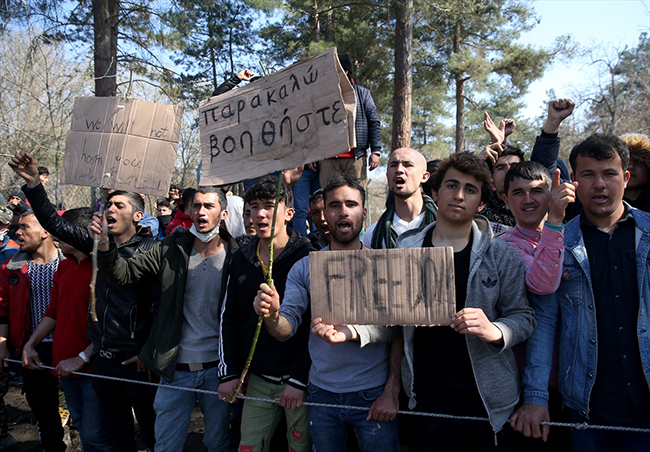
(43, 175)
(539, 206)
(495, 209)
(320, 237)
(278, 370)
(67, 319)
(183, 347)
(406, 172)
(124, 313)
(343, 371)
(468, 370)
(182, 216)
(25, 284)
(600, 309)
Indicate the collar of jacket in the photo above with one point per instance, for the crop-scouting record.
(20, 259)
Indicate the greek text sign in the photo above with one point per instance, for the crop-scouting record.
(301, 114)
(412, 286)
(120, 143)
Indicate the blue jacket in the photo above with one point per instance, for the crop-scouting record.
(572, 308)
(367, 126)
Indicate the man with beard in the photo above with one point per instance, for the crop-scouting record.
(124, 312)
(407, 170)
(192, 268)
(350, 363)
(25, 284)
(320, 237)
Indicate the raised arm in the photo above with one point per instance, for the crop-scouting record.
(25, 166)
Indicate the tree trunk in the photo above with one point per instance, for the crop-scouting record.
(105, 15)
(460, 97)
(316, 22)
(403, 74)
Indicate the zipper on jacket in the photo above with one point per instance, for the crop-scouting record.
(104, 319)
(133, 316)
(495, 437)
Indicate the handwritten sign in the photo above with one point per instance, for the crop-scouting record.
(119, 143)
(383, 287)
(301, 114)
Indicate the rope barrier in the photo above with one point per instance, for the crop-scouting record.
(578, 426)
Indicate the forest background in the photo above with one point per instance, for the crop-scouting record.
(432, 66)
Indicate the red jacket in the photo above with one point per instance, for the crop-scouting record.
(14, 299)
(180, 219)
(69, 301)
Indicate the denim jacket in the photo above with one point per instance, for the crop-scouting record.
(572, 308)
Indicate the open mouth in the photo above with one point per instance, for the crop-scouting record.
(344, 226)
(110, 221)
(599, 199)
(263, 226)
(400, 181)
(201, 222)
(326, 230)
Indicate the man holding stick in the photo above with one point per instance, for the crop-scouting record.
(124, 312)
(279, 369)
(350, 364)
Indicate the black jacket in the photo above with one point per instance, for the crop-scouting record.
(124, 313)
(239, 320)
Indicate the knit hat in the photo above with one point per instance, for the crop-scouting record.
(346, 63)
(19, 194)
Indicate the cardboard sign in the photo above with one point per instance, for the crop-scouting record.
(119, 143)
(301, 114)
(412, 286)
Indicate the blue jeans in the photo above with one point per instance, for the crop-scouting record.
(86, 413)
(591, 440)
(306, 185)
(329, 426)
(174, 408)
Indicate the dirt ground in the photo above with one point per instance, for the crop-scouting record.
(22, 426)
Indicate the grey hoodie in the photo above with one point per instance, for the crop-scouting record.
(496, 285)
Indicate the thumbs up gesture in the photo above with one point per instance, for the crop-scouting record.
(562, 194)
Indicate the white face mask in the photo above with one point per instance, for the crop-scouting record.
(205, 238)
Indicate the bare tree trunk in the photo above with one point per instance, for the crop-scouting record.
(403, 74)
(316, 22)
(460, 97)
(105, 15)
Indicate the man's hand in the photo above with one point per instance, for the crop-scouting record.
(67, 366)
(491, 153)
(226, 389)
(267, 301)
(561, 196)
(31, 360)
(474, 321)
(496, 134)
(313, 166)
(507, 126)
(333, 334)
(25, 166)
(291, 397)
(527, 419)
(291, 176)
(373, 161)
(139, 365)
(245, 74)
(385, 408)
(99, 226)
(558, 111)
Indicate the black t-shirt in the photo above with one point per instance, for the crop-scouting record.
(444, 379)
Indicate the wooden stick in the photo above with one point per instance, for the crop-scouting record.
(269, 281)
(93, 279)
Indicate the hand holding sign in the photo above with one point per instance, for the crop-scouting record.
(333, 334)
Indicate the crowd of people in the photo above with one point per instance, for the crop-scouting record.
(551, 286)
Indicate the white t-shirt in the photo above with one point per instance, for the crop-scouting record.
(399, 225)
